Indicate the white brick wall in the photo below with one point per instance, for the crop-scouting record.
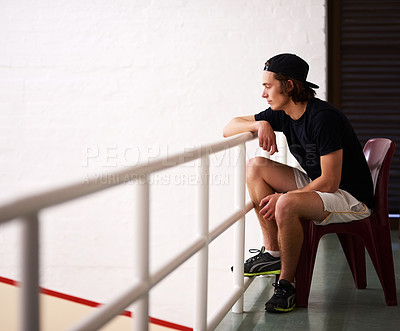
(90, 86)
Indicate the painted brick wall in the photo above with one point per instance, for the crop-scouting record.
(87, 87)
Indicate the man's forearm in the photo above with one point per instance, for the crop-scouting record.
(319, 184)
(240, 125)
(331, 173)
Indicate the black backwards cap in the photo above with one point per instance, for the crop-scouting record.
(290, 65)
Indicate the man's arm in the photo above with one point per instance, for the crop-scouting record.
(331, 173)
(266, 135)
(240, 125)
(329, 181)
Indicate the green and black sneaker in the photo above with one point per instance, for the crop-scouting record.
(261, 264)
(284, 298)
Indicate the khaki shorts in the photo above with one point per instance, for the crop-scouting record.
(343, 207)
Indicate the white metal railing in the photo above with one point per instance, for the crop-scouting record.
(28, 209)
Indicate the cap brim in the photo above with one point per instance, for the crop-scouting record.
(312, 85)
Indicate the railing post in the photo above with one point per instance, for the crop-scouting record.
(202, 212)
(141, 252)
(30, 273)
(239, 228)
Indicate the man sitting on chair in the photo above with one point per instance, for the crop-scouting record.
(336, 186)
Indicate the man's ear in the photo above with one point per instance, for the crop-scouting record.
(291, 84)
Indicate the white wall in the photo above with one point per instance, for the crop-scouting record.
(87, 87)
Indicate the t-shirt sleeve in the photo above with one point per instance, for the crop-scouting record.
(261, 116)
(328, 130)
(272, 117)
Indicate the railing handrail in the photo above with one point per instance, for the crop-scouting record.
(28, 209)
(32, 203)
(122, 301)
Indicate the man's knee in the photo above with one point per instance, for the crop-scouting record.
(285, 207)
(254, 167)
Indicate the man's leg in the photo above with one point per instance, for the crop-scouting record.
(290, 208)
(265, 177)
(285, 233)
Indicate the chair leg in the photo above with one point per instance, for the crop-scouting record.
(354, 250)
(382, 259)
(305, 266)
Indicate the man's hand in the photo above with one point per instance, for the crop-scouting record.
(269, 203)
(267, 137)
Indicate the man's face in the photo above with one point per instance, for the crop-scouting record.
(272, 92)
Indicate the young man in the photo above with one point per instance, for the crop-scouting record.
(335, 187)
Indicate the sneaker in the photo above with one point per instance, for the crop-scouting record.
(284, 298)
(261, 264)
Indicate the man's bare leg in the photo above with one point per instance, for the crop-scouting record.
(290, 208)
(265, 177)
(285, 233)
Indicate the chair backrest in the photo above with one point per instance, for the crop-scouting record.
(379, 153)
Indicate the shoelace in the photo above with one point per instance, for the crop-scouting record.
(279, 291)
(254, 251)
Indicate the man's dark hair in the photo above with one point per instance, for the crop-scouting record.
(300, 92)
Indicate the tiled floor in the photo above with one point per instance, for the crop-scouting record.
(334, 303)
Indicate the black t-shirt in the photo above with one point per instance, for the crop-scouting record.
(321, 130)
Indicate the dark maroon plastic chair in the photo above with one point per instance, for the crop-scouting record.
(372, 233)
